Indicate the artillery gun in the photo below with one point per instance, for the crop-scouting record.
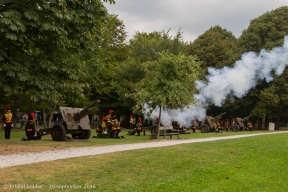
(209, 124)
(238, 125)
(75, 122)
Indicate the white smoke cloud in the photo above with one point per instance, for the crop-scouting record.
(184, 116)
(243, 76)
(222, 83)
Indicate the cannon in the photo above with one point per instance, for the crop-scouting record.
(238, 125)
(75, 122)
(209, 124)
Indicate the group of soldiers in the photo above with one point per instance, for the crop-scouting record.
(217, 124)
(227, 125)
(111, 124)
(138, 128)
(30, 127)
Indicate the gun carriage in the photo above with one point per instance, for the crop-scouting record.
(75, 122)
(209, 124)
(238, 125)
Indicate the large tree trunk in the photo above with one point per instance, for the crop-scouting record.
(158, 126)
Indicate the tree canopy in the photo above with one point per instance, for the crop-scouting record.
(40, 42)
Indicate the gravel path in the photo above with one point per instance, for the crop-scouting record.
(35, 157)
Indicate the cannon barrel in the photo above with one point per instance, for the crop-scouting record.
(218, 116)
(246, 118)
(84, 111)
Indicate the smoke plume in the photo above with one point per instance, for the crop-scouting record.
(184, 116)
(243, 76)
(227, 81)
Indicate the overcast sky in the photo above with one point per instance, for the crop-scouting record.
(194, 17)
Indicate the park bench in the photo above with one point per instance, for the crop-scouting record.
(165, 131)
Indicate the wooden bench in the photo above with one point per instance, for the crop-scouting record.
(165, 131)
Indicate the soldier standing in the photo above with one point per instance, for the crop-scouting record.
(217, 126)
(227, 125)
(249, 125)
(194, 126)
(108, 120)
(131, 122)
(7, 120)
(139, 126)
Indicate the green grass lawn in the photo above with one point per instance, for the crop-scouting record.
(248, 164)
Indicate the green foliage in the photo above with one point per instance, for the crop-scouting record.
(145, 46)
(169, 81)
(215, 48)
(40, 42)
(266, 31)
(102, 63)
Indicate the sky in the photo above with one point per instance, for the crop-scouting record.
(191, 17)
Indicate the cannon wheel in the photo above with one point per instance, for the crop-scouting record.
(84, 135)
(204, 128)
(235, 127)
(58, 132)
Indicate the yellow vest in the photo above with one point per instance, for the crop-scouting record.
(8, 117)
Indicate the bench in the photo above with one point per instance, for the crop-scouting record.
(165, 131)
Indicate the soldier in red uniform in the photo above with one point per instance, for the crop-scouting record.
(7, 121)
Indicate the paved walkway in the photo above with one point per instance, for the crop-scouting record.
(35, 157)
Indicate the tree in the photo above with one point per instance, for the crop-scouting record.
(40, 42)
(101, 66)
(169, 82)
(142, 48)
(215, 48)
(145, 46)
(267, 31)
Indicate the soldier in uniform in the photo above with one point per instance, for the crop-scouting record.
(227, 125)
(30, 128)
(7, 121)
(232, 121)
(194, 126)
(108, 120)
(139, 126)
(217, 126)
(249, 126)
(131, 122)
(101, 128)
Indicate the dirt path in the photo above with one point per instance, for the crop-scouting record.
(35, 157)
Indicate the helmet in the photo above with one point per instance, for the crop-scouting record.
(7, 107)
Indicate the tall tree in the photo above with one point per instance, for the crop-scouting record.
(39, 44)
(267, 31)
(169, 82)
(215, 48)
(142, 48)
